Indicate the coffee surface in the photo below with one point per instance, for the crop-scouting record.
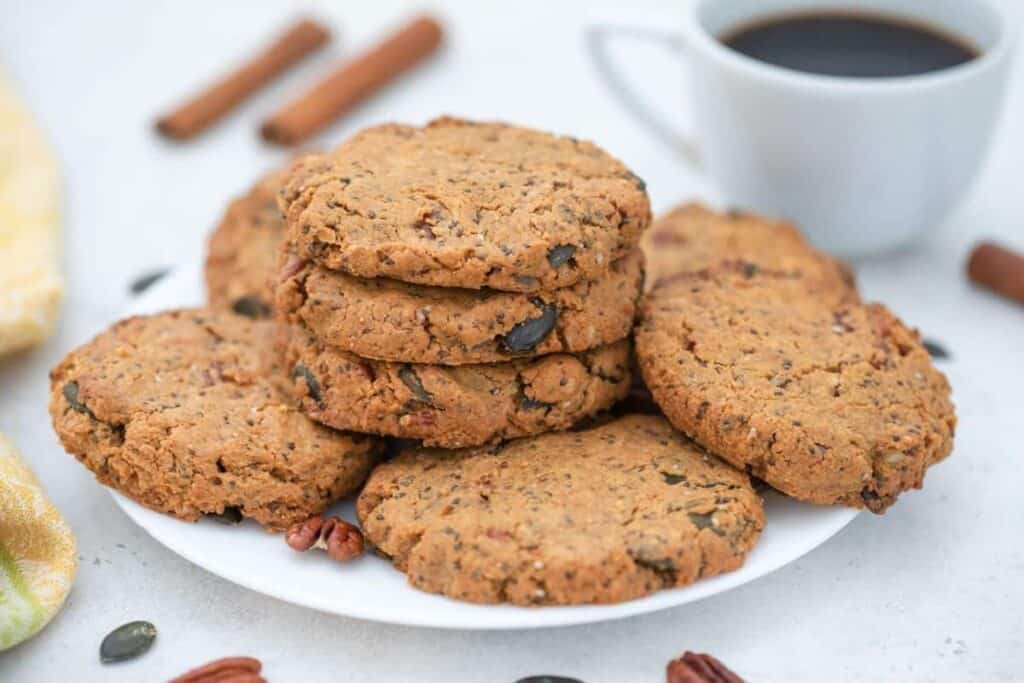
(852, 45)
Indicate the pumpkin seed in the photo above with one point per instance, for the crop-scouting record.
(937, 350)
(311, 383)
(251, 307)
(127, 641)
(71, 396)
(525, 336)
(673, 479)
(147, 280)
(231, 515)
(560, 254)
(412, 381)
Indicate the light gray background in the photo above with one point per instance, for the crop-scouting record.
(932, 591)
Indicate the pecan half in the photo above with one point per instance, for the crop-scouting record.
(226, 670)
(341, 540)
(699, 668)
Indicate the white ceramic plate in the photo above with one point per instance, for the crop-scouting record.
(371, 589)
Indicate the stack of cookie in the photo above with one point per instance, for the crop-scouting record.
(459, 283)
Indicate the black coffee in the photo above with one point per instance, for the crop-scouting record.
(856, 45)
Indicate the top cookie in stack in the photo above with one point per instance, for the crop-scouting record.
(461, 282)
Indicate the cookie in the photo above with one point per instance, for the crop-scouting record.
(464, 204)
(603, 515)
(397, 321)
(691, 237)
(181, 412)
(466, 405)
(241, 260)
(830, 402)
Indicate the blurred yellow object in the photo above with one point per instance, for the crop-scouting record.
(31, 284)
(37, 552)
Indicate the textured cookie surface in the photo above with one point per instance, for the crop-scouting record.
(464, 204)
(691, 237)
(465, 405)
(241, 260)
(828, 402)
(397, 321)
(180, 411)
(602, 515)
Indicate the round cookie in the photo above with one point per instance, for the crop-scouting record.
(603, 515)
(397, 321)
(182, 412)
(458, 406)
(241, 260)
(830, 402)
(691, 237)
(464, 204)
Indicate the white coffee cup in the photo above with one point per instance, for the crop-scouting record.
(862, 165)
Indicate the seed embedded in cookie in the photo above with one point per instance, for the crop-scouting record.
(459, 203)
(459, 406)
(186, 413)
(601, 515)
(828, 401)
(395, 321)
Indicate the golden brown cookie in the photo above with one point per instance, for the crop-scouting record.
(466, 405)
(464, 204)
(691, 237)
(182, 412)
(241, 260)
(831, 402)
(602, 515)
(397, 321)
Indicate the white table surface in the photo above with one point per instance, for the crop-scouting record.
(932, 591)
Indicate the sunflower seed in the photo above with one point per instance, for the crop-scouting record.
(127, 641)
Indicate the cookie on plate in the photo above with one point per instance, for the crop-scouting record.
(830, 402)
(691, 237)
(464, 204)
(242, 255)
(396, 321)
(602, 515)
(459, 406)
(181, 412)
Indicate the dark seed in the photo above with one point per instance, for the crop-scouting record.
(549, 679)
(231, 516)
(127, 641)
(412, 380)
(147, 280)
(700, 521)
(560, 254)
(311, 383)
(936, 349)
(673, 479)
(71, 396)
(532, 404)
(749, 269)
(528, 334)
(527, 281)
(251, 307)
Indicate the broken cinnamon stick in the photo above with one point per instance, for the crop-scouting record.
(302, 39)
(999, 269)
(354, 82)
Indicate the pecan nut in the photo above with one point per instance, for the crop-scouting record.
(226, 670)
(699, 668)
(341, 540)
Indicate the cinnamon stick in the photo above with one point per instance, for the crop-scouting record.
(999, 269)
(300, 40)
(354, 82)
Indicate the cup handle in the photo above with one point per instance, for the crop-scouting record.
(598, 33)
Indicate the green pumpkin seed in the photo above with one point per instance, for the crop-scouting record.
(412, 381)
(127, 641)
(251, 307)
(560, 254)
(525, 336)
(71, 396)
